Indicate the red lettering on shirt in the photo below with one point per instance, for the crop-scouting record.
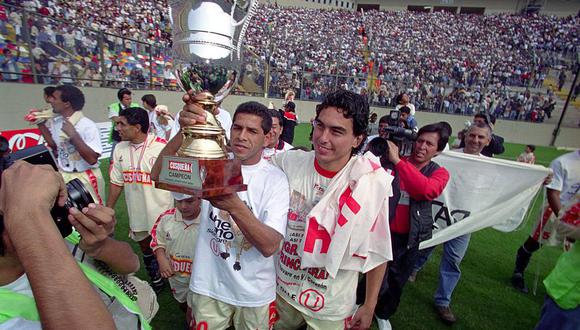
(138, 177)
(353, 205)
(316, 232)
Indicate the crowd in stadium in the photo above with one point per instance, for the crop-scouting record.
(447, 63)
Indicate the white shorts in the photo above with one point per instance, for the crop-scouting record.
(210, 314)
(138, 236)
(179, 289)
(289, 318)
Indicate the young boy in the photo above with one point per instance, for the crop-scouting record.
(173, 242)
(528, 155)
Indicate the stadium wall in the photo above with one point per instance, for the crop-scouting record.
(18, 98)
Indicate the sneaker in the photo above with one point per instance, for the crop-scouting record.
(383, 324)
(445, 314)
(413, 276)
(519, 283)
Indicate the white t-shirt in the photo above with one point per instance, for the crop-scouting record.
(131, 169)
(311, 290)
(68, 158)
(226, 266)
(566, 175)
(223, 116)
(267, 153)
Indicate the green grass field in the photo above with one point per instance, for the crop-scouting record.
(483, 299)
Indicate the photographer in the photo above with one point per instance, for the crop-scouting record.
(39, 278)
(421, 181)
(34, 257)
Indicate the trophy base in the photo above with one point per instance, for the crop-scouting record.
(201, 177)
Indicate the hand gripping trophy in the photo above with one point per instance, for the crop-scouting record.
(207, 41)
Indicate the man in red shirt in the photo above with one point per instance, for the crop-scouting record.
(421, 181)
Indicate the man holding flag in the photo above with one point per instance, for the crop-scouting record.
(477, 137)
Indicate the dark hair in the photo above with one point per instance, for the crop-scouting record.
(378, 146)
(487, 119)
(441, 129)
(49, 90)
(532, 147)
(136, 116)
(384, 119)
(73, 95)
(276, 114)
(122, 92)
(405, 109)
(446, 126)
(4, 145)
(353, 106)
(291, 106)
(150, 100)
(399, 97)
(257, 109)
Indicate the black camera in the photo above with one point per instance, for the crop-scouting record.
(403, 137)
(78, 196)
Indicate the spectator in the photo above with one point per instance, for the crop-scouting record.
(528, 155)
(289, 122)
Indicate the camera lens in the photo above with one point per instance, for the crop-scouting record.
(78, 197)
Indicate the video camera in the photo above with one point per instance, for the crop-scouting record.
(78, 196)
(403, 137)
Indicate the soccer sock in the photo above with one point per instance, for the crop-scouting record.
(522, 260)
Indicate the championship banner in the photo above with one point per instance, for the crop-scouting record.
(482, 192)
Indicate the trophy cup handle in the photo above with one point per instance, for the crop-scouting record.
(253, 7)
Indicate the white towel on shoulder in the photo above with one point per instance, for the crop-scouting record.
(349, 227)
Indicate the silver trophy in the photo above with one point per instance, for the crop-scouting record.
(207, 46)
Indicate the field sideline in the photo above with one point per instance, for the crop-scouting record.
(483, 299)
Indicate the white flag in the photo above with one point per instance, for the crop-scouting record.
(482, 192)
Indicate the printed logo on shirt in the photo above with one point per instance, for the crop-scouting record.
(181, 265)
(311, 299)
(222, 229)
(138, 177)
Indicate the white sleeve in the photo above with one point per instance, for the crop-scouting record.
(276, 210)
(91, 137)
(559, 176)
(176, 127)
(116, 172)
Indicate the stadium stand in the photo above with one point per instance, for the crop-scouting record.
(449, 63)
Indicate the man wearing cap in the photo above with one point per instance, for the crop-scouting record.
(174, 237)
(289, 122)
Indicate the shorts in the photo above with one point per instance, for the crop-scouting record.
(92, 180)
(289, 318)
(138, 236)
(208, 314)
(179, 289)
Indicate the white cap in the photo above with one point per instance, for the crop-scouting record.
(179, 196)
